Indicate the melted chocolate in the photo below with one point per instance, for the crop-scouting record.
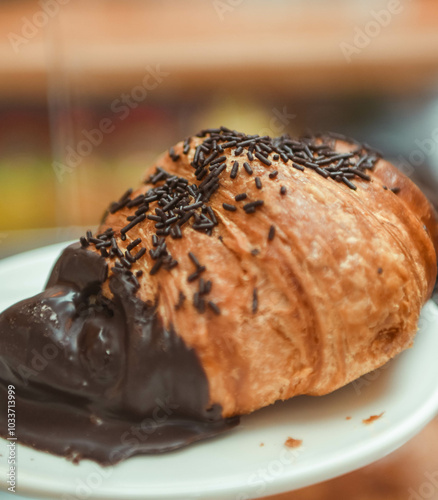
(100, 379)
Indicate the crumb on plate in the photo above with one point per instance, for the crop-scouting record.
(293, 443)
(372, 419)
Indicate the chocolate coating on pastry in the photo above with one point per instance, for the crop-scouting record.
(242, 271)
(97, 378)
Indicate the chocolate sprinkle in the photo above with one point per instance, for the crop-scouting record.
(247, 167)
(263, 159)
(234, 170)
(132, 224)
(156, 267)
(250, 207)
(255, 301)
(133, 244)
(214, 307)
(199, 303)
(194, 259)
(181, 299)
(348, 183)
(271, 233)
(125, 262)
(140, 254)
(230, 208)
(84, 242)
(194, 276)
(241, 196)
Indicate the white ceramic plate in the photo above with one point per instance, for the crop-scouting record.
(235, 465)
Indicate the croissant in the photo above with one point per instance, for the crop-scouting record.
(242, 271)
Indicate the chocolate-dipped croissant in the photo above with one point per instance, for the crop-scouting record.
(244, 270)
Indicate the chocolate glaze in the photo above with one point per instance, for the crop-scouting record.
(100, 379)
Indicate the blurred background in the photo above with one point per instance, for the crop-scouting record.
(92, 90)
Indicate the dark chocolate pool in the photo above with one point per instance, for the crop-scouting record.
(100, 379)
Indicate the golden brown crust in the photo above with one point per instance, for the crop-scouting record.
(340, 287)
(411, 195)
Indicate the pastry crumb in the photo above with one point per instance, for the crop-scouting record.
(262, 444)
(372, 419)
(293, 443)
(347, 418)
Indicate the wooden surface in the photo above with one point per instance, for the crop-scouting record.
(260, 47)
